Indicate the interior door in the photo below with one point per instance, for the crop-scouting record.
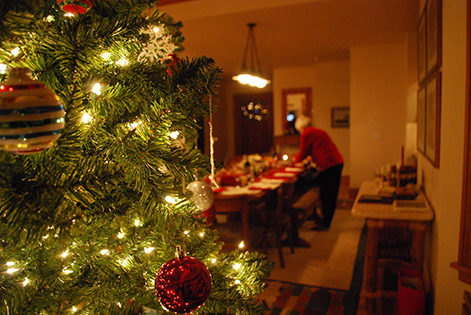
(253, 134)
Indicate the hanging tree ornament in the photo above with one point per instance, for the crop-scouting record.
(172, 64)
(183, 284)
(75, 7)
(203, 196)
(209, 214)
(31, 115)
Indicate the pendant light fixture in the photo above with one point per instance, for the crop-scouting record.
(251, 73)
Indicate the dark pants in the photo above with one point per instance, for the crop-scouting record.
(329, 183)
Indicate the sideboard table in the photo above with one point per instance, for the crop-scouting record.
(395, 238)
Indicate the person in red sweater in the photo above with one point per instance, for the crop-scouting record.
(317, 146)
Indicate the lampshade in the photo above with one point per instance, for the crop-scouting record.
(251, 73)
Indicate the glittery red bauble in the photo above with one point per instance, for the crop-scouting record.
(183, 284)
(75, 6)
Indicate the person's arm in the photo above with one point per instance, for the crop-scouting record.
(304, 149)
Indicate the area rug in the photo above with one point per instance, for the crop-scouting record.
(330, 261)
(297, 299)
(286, 298)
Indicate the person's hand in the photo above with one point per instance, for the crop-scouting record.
(307, 160)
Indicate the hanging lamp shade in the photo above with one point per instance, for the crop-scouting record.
(251, 73)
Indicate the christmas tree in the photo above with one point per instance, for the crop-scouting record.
(98, 154)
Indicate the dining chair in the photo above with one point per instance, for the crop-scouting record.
(273, 217)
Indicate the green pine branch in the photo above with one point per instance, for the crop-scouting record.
(85, 225)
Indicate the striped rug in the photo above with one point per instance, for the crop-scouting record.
(297, 299)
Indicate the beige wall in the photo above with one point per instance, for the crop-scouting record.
(382, 86)
(443, 185)
(378, 98)
(329, 82)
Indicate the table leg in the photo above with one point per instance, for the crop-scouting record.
(418, 239)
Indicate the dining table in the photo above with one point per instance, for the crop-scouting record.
(236, 198)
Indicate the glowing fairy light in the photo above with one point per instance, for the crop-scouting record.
(237, 281)
(66, 271)
(134, 125)
(74, 309)
(124, 262)
(201, 234)
(65, 254)
(148, 250)
(151, 283)
(106, 55)
(50, 18)
(137, 222)
(10, 263)
(174, 134)
(186, 232)
(241, 244)
(214, 260)
(105, 252)
(170, 200)
(86, 118)
(15, 51)
(12, 270)
(121, 235)
(119, 305)
(45, 237)
(236, 266)
(122, 62)
(285, 157)
(156, 29)
(3, 68)
(25, 282)
(97, 89)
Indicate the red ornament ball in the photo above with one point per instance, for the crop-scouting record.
(75, 7)
(183, 284)
(209, 214)
(172, 64)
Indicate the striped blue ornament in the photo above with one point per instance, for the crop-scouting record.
(31, 115)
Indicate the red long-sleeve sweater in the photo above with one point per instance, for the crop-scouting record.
(317, 143)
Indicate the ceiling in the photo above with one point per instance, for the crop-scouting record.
(288, 33)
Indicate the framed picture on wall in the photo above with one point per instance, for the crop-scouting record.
(433, 19)
(340, 117)
(432, 119)
(421, 99)
(422, 48)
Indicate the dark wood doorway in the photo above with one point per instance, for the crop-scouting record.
(252, 135)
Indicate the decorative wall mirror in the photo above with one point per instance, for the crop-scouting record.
(295, 102)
